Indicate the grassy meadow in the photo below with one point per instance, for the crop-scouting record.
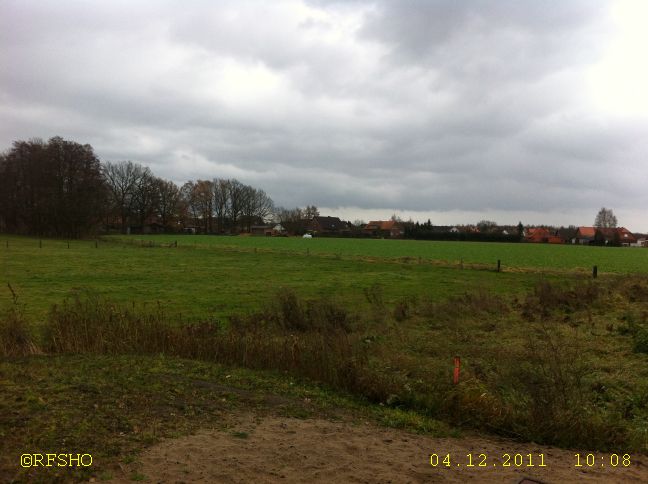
(482, 254)
(362, 327)
(206, 277)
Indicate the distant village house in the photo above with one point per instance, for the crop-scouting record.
(541, 235)
(329, 226)
(379, 228)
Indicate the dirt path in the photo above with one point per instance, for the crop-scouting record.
(273, 449)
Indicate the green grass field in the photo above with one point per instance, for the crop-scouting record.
(524, 256)
(548, 354)
(208, 277)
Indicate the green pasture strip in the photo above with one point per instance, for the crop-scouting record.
(202, 282)
(112, 407)
(518, 256)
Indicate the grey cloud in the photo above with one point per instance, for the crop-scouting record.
(425, 106)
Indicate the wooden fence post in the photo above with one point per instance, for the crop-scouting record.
(594, 272)
(499, 264)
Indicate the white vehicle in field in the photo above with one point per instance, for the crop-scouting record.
(307, 236)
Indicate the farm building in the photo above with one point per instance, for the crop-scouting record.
(541, 235)
(604, 236)
(279, 229)
(614, 236)
(265, 230)
(584, 235)
(268, 230)
(329, 226)
(379, 228)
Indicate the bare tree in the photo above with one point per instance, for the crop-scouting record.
(168, 201)
(204, 200)
(247, 207)
(311, 211)
(486, 225)
(291, 219)
(256, 205)
(145, 198)
(221, 202)
(605, 218)
(189, 204)
(263, 204)
(236, 200)
(124, 179)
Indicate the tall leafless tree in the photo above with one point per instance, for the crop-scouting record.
(255, 206)
(188, 201)
(168, 202)
(221, 202)
(605, 218)
(124, 179)
(311, 211)
(236, 200)
(291, 219)
(145, 199)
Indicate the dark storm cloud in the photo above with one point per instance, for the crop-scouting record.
(480, 107)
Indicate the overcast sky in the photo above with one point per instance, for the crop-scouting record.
(450, 110)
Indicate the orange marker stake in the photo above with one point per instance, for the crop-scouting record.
(457, 366)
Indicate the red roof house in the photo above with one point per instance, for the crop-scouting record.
(389, 228)
(614, 236)
(585, 235)
(541, 235)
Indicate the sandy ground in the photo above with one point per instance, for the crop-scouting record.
(273, 449)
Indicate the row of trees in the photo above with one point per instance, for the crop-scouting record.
(225, 205)
(60, 188)
(54, 188)
(296, 220)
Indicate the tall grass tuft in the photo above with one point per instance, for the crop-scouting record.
(15, 335)
(309, 339)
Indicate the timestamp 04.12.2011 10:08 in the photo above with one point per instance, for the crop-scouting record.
(525, 460)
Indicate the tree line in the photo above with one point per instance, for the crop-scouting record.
(60, 188)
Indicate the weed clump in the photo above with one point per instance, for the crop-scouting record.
(15, 335)
(548, 297)
(305, 338)
(90, 324)
(468, 305)
(291, 313)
